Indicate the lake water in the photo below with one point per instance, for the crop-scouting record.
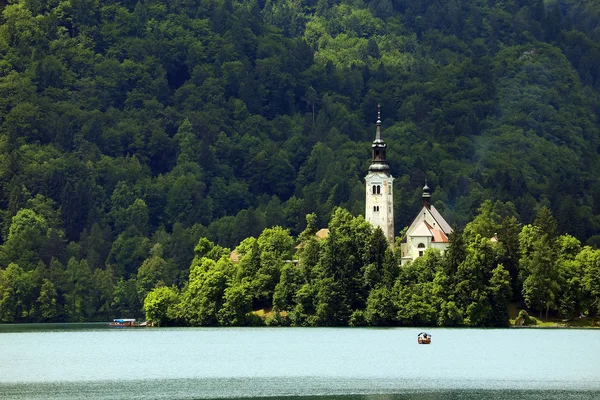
(93, 362)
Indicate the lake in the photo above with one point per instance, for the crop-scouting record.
(70, 361)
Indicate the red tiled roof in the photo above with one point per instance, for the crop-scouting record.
(439, 236)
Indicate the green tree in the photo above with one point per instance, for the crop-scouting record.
(160, 305)
(237, 305)
(203, 296)
(17, 294)
(79, 296)
(154, 272)
(380, 309)
(125, 298)
(27, 236)
(47, 305)
(500, 293)
(289, 283)
(589, 259)
(541, 287)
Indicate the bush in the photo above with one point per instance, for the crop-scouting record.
(523, 319)
(277, 319)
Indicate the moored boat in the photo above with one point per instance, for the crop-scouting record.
(125, 323)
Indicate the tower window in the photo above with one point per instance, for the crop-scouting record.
(374, 189)
(376, 208)
(378, 189)
(421, 246)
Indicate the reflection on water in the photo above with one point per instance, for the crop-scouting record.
(90, 361)
(53, 327)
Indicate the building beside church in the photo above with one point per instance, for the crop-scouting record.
(379, 204)
(428, 229)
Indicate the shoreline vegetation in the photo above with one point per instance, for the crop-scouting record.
(352, 278)
(492, 272)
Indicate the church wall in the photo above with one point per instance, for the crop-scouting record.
(379, 210)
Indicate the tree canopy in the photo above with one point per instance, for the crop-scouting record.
(131, 130)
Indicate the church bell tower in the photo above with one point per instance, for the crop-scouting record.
(379, 210)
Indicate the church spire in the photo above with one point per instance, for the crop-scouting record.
(378, 132)
(378, 161)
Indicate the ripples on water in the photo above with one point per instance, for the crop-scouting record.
(92, 362)
(316, 389)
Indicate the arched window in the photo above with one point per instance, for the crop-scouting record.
(374, 189)
(378, 189)
(421, 246)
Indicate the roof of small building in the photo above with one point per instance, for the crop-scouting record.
(322, 233)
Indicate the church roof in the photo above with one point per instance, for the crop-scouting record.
(440, 220)
(438, 229)
(424, 229)
(439, 236)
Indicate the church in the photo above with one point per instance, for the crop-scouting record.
(428, 229)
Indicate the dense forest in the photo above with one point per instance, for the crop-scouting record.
(140, 139)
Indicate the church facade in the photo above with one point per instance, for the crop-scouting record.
(428, 229)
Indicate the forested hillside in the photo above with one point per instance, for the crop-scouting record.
(131, 129)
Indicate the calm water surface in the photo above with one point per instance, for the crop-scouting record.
(93, 362)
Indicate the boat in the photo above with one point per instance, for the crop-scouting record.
(424, 338)
(125, 323)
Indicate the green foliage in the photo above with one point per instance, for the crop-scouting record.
(153, 272)
(125, 126)
(202, 298)
(160, 306)
(524, 319)
(237, 305)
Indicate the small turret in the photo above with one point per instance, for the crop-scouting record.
(426, 197)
